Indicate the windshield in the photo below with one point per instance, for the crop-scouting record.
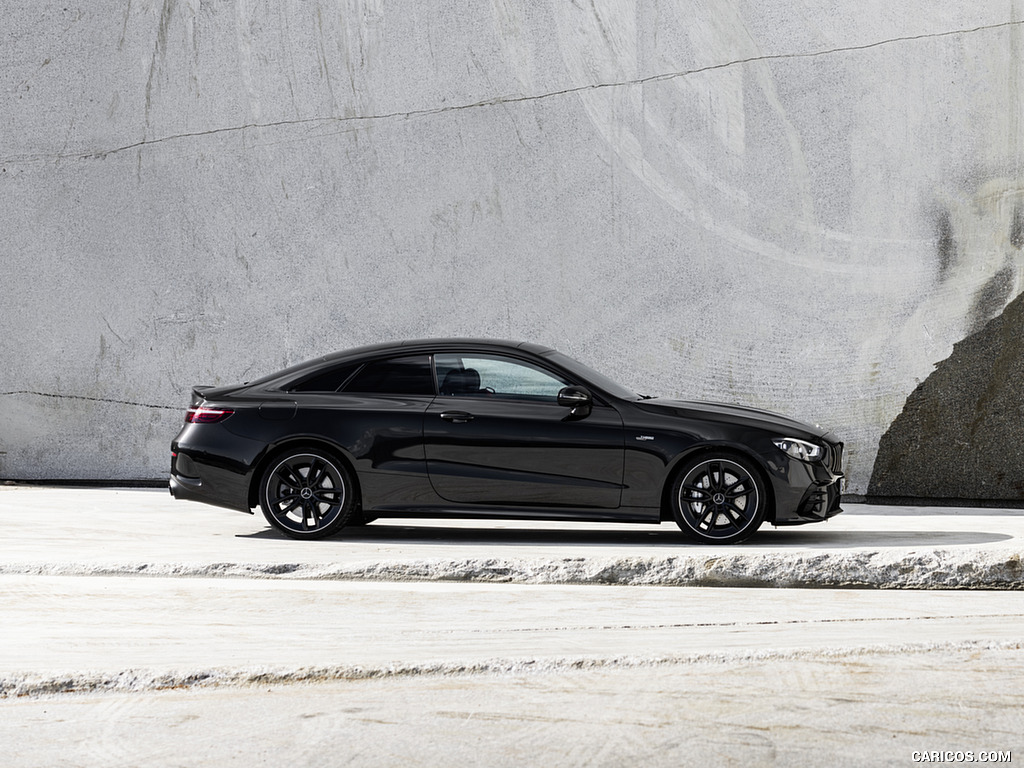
(591, 376)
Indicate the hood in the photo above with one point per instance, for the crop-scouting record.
(733, 413)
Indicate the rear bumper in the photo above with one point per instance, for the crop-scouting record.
(192, 480)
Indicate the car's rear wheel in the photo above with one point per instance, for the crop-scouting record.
(719, 498)
(306, 494)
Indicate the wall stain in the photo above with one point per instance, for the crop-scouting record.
(159, 51)
(947, 250)
(992, 298)
(1017, 227)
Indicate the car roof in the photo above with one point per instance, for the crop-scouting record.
(407, 345)
(440, 344)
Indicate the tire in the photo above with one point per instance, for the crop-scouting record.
(306, 494)
(719, 498)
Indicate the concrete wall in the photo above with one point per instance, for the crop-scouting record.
(799, 206)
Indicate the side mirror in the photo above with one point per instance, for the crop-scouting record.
(578, 399)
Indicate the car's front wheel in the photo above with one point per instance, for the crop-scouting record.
(306, 494)
(719, 498)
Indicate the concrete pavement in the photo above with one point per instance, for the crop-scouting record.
(128, 633)
(142, 630)
(878, 709)
(442, 596)
(117, 531)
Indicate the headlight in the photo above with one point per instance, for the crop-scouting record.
(799, 449)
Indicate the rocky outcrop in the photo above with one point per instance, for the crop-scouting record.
(961, 432)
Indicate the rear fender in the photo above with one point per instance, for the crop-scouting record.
(278, 449)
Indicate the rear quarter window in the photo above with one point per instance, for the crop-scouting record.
(330, 380)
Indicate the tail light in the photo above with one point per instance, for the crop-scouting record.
(202, 415)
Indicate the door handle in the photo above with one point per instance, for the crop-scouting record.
(457, 417)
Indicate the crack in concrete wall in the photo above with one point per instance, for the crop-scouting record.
(506, 100)
(91, 399)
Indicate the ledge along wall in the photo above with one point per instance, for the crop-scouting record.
(801, 209)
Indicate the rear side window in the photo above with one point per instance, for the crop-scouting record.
(395, 376)
(330, 380)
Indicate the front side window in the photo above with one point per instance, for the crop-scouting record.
(394, 376)
(480, 375)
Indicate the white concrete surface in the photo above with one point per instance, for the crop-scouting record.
(129, 633)
(861, 710)
(799, 207)
(109, 531)
(138, 630)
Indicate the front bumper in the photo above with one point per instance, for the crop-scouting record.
(820, 503)
(808, 492)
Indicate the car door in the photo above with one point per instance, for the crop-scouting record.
(496, 435)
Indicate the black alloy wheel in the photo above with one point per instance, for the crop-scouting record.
(306, 494)
(719, 498)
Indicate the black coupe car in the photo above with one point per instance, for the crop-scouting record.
(493, 429)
